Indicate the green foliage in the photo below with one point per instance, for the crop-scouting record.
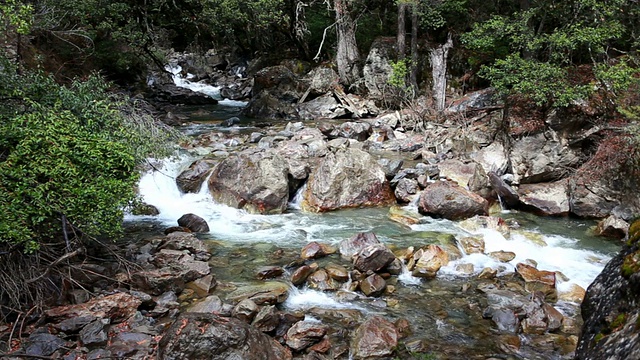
(15, 13)
(542, 82)
(399, 73)
(68, 151)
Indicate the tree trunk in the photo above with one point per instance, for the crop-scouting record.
(401, 42)
(413, 77)
(347, 57)
(438, 57)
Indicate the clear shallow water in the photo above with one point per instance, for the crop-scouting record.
(441, 312)
(569, 248)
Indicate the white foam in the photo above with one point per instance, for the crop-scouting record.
(306, 298)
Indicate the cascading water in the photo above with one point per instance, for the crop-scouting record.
(201, 87)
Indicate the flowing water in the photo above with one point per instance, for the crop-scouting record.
(443, 314)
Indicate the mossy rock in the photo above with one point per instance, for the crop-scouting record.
(634, 232)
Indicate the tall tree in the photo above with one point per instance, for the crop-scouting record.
(347, 55)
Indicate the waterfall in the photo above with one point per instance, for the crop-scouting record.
(201, 87)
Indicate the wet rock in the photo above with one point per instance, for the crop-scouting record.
(194, 223)
(373, 258)
(287, 319)
(356, 243)
(375, 338)
(450, 201)
(538, 280)
(199, 336)
(269, 272)
(94, 333)
(314, 250)
(477, 223)
(186, 241)
(503, 256)
(547, 199)
(554, 317)
(190, 180)
(457, 171)
(234, 120)
(116, 307)
(373, 285)
(465, 268)
(245, 310)
(506, 320)
(612, 227)
(301, 274)
(337, 272)
(321, 280)
(472, 245)
(575, 293)
(171, 278)
(395, 267)
(347, 178)
(488, 273)
(203, 285)
(406, 189)
(428, 261)
(255, 182)
(304, 334)
(179, 95)
(508, 197)
(43, 344)
(402, 216)
(270, 292)
(145, 209)
(267, 319)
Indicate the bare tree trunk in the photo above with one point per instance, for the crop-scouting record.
(347, 57)
(413, 77)
(401, 42)
(438, 57)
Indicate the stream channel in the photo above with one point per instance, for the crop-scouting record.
(445, 313)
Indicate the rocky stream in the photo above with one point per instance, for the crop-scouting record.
(368, 238)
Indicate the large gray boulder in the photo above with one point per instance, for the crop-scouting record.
(347, 178)
(449, 200)
(256, 182)
(542, 157)
(207, 336)
(548, 199)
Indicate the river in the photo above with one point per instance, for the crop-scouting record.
(242, 242)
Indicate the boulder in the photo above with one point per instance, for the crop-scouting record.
(347, 178)
(404, 217)
(610, 307)
(612, 227)
(542, 157)
(267, 319)
(546, 199)
(373, 285)
(356, 243)
(314, 250)
(355, 130)
(269, 272)
(406, 189)
(200, 336)
(508, 197)
(337, 272)
(320, 280)
(41, 345)
(492, 158)
(428, 261)
(377, 67)
(190, 180)
(194, 223)
(538, 280)
(301, 274)
(449, 200)
(484, 99)
(176, 95)
(255, 182)
(173, 276)
(457, 171)
(183, 241)
(322, 107)
(373, 258)
(304, 334)
(116, 307)
(271, 292)
(376, 338)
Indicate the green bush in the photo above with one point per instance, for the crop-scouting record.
(67, 152)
